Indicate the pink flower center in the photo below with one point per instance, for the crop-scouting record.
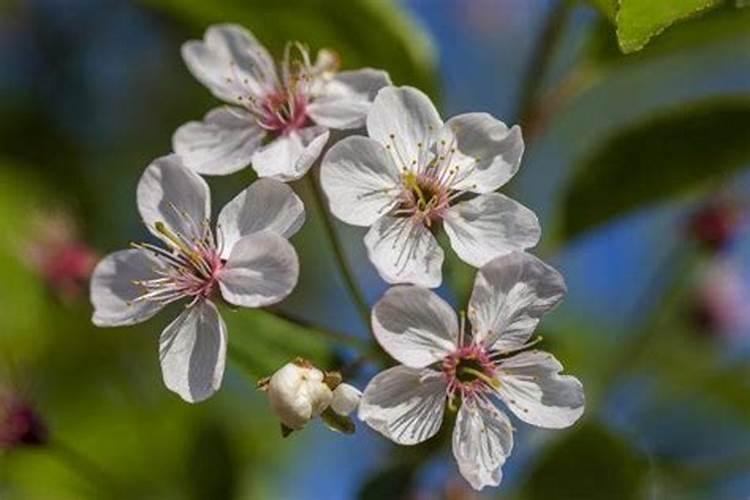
(189, 269)
(283, 111)
(470, 371)
(425, 196)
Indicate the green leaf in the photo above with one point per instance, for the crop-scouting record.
(718, 26)
(375, 33)
(589, 463)
(677, 151)
(638, 21)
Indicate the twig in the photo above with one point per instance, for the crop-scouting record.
(349, 282)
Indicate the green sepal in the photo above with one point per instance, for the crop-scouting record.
(286, 431)
(338, 423)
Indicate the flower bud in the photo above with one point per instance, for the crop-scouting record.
(715, 224)
(345, 399)
(298, 393)
(58, 255)
(20, 424)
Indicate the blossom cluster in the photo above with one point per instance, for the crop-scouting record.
(408, 177)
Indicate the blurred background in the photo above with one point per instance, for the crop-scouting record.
(638, 148)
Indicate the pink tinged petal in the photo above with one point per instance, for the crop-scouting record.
(405, 119)
(404, 252)
(532, 387)
(221, 144)
(511, 293)
(168, 192)
(487, 153)
(489, 226)
(360, 180)
(482, 440)
(289, 156)
(347, 97)
(415, 326)
(265, 205)
(404, 404)
(113, 289)
(231, 63)
(192, 350)
(262, 270)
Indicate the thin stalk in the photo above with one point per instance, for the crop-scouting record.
(85, 468)
(348, 278)
(541, 57)
(673, 268)
(361, 345)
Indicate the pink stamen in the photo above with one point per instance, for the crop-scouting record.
(283, 111)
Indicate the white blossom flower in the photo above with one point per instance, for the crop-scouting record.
(442, 364)
(248, 262)
(279, 122)
(413, 172)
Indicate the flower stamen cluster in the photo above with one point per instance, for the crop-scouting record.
(189, 269)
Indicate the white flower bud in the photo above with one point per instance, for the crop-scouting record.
(345, 399)
(298, 394)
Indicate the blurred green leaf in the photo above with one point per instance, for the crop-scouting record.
(637, 21)
(212, 469)
(674, 152)
(607, 7)
(375, 33)
(395, 483)
(589, 463)
(261, 342)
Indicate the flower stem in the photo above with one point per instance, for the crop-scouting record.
(541, 57)
(348, 278)
(363, 346)
(84, 467)
(673, 268)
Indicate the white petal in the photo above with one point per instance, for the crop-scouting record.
(405, 119)
(360, 180)
(192, 350)
(345, 399)
(113, 290)
(289, 156)
(347, 97)
(265, 205)
(221, 144)
(262, 269)
(482, 440)
(404, 404)
(511, 293)
(415, 326)
(404, 252)
(532, 387)
(487, 153)
(170, 193)
(231, 63)
(489, 226)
